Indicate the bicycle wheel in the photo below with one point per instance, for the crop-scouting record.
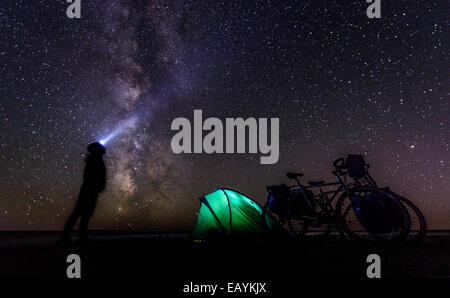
(266, 216)
(297, 226)
(345, 211)
(418, 223)
(314, 227)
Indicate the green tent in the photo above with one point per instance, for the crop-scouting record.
(232, 213)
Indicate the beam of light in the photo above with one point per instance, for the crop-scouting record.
(129, 123)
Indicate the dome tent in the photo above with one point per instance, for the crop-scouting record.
(230, 213)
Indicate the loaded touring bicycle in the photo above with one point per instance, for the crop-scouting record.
(353, 205)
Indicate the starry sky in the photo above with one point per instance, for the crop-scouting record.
(338, 81)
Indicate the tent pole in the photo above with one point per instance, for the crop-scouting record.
(229, 208)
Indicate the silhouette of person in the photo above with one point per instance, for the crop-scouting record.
(94, 179)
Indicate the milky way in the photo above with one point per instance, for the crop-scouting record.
(338, 81)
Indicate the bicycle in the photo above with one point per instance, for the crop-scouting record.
(418, 226)
(303, 209)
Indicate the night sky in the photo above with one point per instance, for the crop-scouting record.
(338, 81)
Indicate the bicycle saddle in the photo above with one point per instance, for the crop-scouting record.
(312, 183)
(293, 175)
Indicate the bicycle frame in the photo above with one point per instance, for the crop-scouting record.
(324, 196)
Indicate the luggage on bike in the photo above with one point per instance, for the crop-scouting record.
(278, 199)
(377, 213)
(281, 200)
(356, 166)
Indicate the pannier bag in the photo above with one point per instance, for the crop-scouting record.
(356, 166)
(377, 213)
(278, 199)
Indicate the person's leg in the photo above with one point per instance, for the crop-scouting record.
(70, 224)
(84, 221)
(86, 213)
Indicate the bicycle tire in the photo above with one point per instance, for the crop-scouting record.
(421, 232)
(362, 235)
(307, 231)
(263, 215)
(298, 233)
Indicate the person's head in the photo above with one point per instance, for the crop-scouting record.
(96, 149)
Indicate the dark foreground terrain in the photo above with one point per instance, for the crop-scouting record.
(174, 260)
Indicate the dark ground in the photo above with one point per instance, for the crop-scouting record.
(173, 260)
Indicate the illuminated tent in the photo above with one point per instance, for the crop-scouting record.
(228, 212)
